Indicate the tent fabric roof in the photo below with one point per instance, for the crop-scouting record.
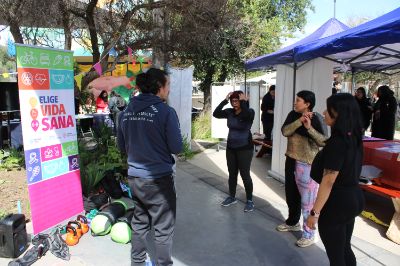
(374, 45)
(286, 55)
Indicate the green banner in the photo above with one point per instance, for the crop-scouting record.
(34, 57)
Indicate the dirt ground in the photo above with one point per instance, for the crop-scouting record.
(13, 188)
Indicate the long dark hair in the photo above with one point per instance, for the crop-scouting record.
(384, 92)
(152, 80)
(346, 112)
(308, 97)
(104, 98)
(362, 90)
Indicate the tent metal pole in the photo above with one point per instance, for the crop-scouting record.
(353, 82)
(245, 82)
(294, 82)
(259, 98)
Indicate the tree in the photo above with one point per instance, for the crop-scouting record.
(216, 36)
(6, 64)
(112, 25)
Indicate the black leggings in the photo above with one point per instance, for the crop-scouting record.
(337, 242)
(336, 224)
(293, 198)
(240, 160)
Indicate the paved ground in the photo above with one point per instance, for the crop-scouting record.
(208, 234)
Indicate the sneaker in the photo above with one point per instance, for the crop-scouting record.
(305, 242)
(229, 201)
(249, 206)
(285, 228)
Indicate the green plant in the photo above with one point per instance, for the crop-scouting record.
(201, 126)
(91, 175)
(96, 162)
(11, 159)
(186, 153)
(3, 214)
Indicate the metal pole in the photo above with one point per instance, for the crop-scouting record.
(334, 8)
(353, 82)
(259, 112)
(294, 82)
(245, 82)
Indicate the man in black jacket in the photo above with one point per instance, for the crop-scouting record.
(267, 108)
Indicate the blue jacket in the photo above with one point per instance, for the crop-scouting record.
(239, 136)
(149, 133)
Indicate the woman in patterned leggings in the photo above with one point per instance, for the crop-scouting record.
(304, 131)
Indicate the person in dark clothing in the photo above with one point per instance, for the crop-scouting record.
(336, 88)
(239, 151)
(267, 115)
(337, 167)
(365, 107)
(383, 122)
(149, 133)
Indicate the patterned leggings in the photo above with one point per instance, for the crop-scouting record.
(308, 189)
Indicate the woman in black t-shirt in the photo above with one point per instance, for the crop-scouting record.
(337, 168)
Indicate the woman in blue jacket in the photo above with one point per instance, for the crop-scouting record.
(239, 152)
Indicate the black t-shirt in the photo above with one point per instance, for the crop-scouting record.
(342, 156)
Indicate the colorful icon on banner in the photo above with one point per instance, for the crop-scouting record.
(73, 162)
(33, 79)
(35, 125)
(44, 59)
(55, 168)
(51, 152)
(33, 102)
(34, 113)
(33, 169)
(61, 79)
(70, 148)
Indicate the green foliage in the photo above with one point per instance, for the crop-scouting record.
(232, 32)
(201, 126)
(186, 153)
(94, 163)
(11, 159)
(3, 214)
(7, 64)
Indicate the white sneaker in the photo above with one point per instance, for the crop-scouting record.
(286, 228)
(305, 242)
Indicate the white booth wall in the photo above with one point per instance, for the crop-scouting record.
(180, 98)
(315, 75)
(255, 91)
(219, 128)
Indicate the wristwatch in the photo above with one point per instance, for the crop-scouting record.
(314, 213)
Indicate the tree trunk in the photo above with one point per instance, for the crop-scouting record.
(66, 25)
(224, 74)
(205, 86)
(92, 30)
(16, 33)
(91, 75)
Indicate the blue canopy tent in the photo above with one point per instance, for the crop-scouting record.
(372, 46)
(286, 54)
(313, 75)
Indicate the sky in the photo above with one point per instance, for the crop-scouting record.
(345, 9)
